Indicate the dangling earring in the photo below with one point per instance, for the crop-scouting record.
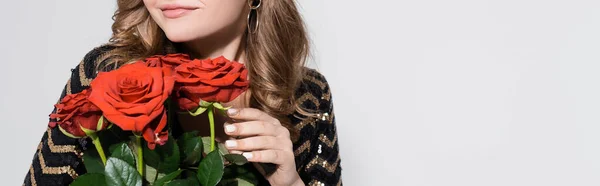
(253, 15)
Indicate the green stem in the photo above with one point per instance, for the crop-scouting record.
(211, 120)
(140, 165)
(96, 141)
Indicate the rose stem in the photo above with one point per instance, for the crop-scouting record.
(211, 120)
(96, 141)
(140, 165)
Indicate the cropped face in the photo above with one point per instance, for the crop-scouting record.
(186, 20)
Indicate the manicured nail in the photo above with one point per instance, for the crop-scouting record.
(248, 155)
(229, 128)
(230, 143)
(232, 111)
(236, 152)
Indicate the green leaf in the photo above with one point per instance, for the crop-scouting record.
(67, 133)
(228, 182)
(190, 174)
(150, 173)
(109, 126)
(100, 123)
(206, 146)
(242, 182)
(220, 107)
(123, 152)
(181, 182)
(240, 174)
(210, 170)
(167, 178)
(188, 135)
(92, 161)
(164, 158)
(205, 104)
(119, 173)
(237, 159)
(90, 179)
(188, 178)
(190, 147)
(87, 132)
(114, 135)
(222, 149)
(198, 111)
(235, 182)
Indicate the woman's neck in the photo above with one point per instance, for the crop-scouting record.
(231, 47)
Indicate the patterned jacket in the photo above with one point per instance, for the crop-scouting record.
(58, 158)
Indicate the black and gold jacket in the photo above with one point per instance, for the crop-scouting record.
(58, 158)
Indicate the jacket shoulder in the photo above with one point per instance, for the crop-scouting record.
(314, 92)
(85, 71)
(98, 55)
(317, 150)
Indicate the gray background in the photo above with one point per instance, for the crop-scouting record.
(430, 92)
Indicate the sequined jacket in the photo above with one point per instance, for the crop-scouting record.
(58, 158)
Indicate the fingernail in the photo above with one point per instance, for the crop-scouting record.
(235, 152)
(248, 155)
(232, 111)
(230, 143)
(229, 128)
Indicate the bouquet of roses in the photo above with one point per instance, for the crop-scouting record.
(128, 112)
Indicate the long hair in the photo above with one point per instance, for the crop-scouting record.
(276, 53)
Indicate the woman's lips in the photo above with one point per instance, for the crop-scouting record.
(176, 13)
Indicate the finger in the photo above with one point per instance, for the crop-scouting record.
(235, 152)
(251, 114)
(269, 156)
(256, 143)
(254, 128)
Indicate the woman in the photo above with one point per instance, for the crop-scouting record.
(287, 112)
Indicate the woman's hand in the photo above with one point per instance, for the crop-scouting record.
(263, 139)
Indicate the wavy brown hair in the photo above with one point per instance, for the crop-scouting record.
(276, 53)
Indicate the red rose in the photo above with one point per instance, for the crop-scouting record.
(169, 60)
(132, 97)
(216, 80)
(74, 112)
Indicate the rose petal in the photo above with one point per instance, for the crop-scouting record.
(153, 133)
(199, 89)
(187, 104)
(75, 111)
(223, 81)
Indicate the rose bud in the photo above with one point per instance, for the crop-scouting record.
(75, 113)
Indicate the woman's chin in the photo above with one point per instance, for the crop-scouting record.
(184, 33)
(179, 38)
(181, 35)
